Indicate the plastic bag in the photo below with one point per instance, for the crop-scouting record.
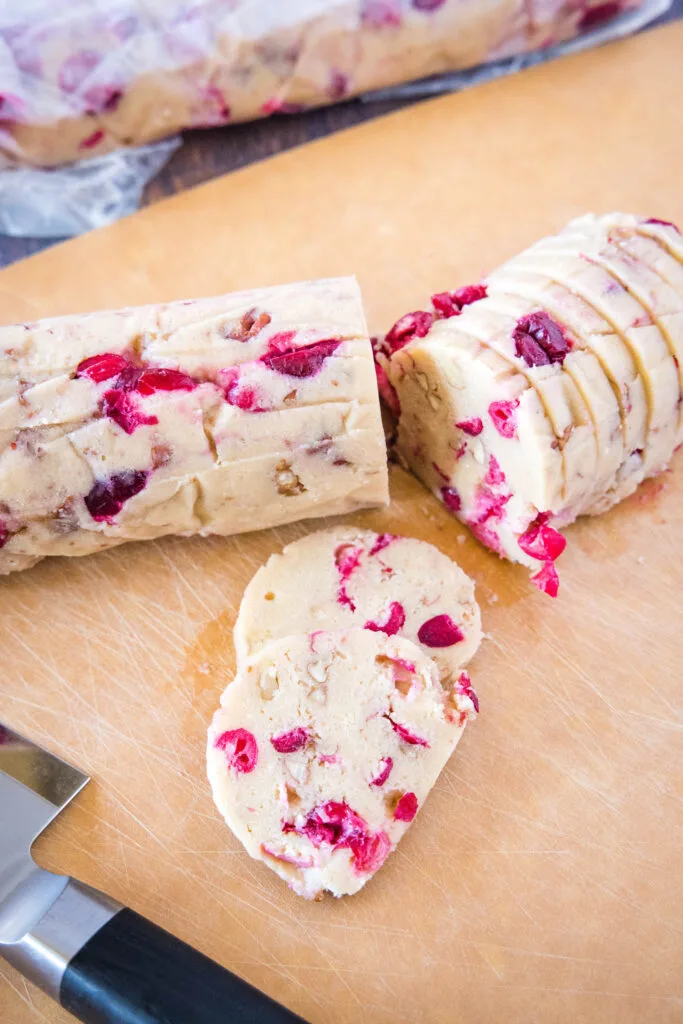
(87, 78)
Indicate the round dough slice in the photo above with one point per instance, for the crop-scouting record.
(348, 578)
(325, 747)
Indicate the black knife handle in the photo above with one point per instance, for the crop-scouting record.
(133, 972)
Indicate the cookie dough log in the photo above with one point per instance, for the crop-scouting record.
(477, 434)
(213, 416)
(324, 749)
(144, 69)
(590, 320)
(349, 578)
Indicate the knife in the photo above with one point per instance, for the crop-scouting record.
(103, 962)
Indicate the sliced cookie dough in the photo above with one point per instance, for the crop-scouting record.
(324, 749)
(350, 578)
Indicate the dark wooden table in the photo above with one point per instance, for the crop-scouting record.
(207, 154)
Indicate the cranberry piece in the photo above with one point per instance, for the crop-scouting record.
(427, 5)
(451, 499)
(464, 687)
(473, 427)
(383, 541)
(412, 325)
(541, 541)
(102, 367)
(595, 16)
(387, 391)
(664, 223)
(539, 340)
(236, 393)
(92, 140)
(338, 825)
(406, 735)
(440, 631)
(121, 408)
(448, 304)
(406, 808)
(301, 362)
(277, 106)
(106, 498)
(395, 620)
(444, 305)
(495, 477)
(347, 559)
(4, 535)
(369, 851)
(504, 417)
(385, 766)
(381, 13)
(339, 85)
(241, 749)
(164, 379)
(468, 294)
(76, 69)
(547, 580)
(289, 742)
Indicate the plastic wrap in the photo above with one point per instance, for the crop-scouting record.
(83, 78)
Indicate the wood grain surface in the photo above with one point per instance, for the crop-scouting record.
(209, 153)
(540, 884)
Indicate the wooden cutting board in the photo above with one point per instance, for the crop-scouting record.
(541, 882)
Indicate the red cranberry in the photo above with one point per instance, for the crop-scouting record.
(664, 223)
(383, 541)
(448, 304)
(163, 379)
(381, 13)
(338, 825)
(595, 16)
(547, 580)
(395, 621)
(277, 106)
(440, 631)
(464, 687)
(406, 735)
(106, 498)
(92, 140)
(339, 85)
(539, 340)
(542, 541)
(504, 417)
(347, 559)
(473, 427)
(451, 499)
(121, 408)
(289, 742)
(102, 367)
(406, 808)
(301, 362)
(387, 391)
(412, 325)
(241, 749)
(369, 851)
(4, 535)
(385, 766)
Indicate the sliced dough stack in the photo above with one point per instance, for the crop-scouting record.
(551, 390)
(350, 697)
